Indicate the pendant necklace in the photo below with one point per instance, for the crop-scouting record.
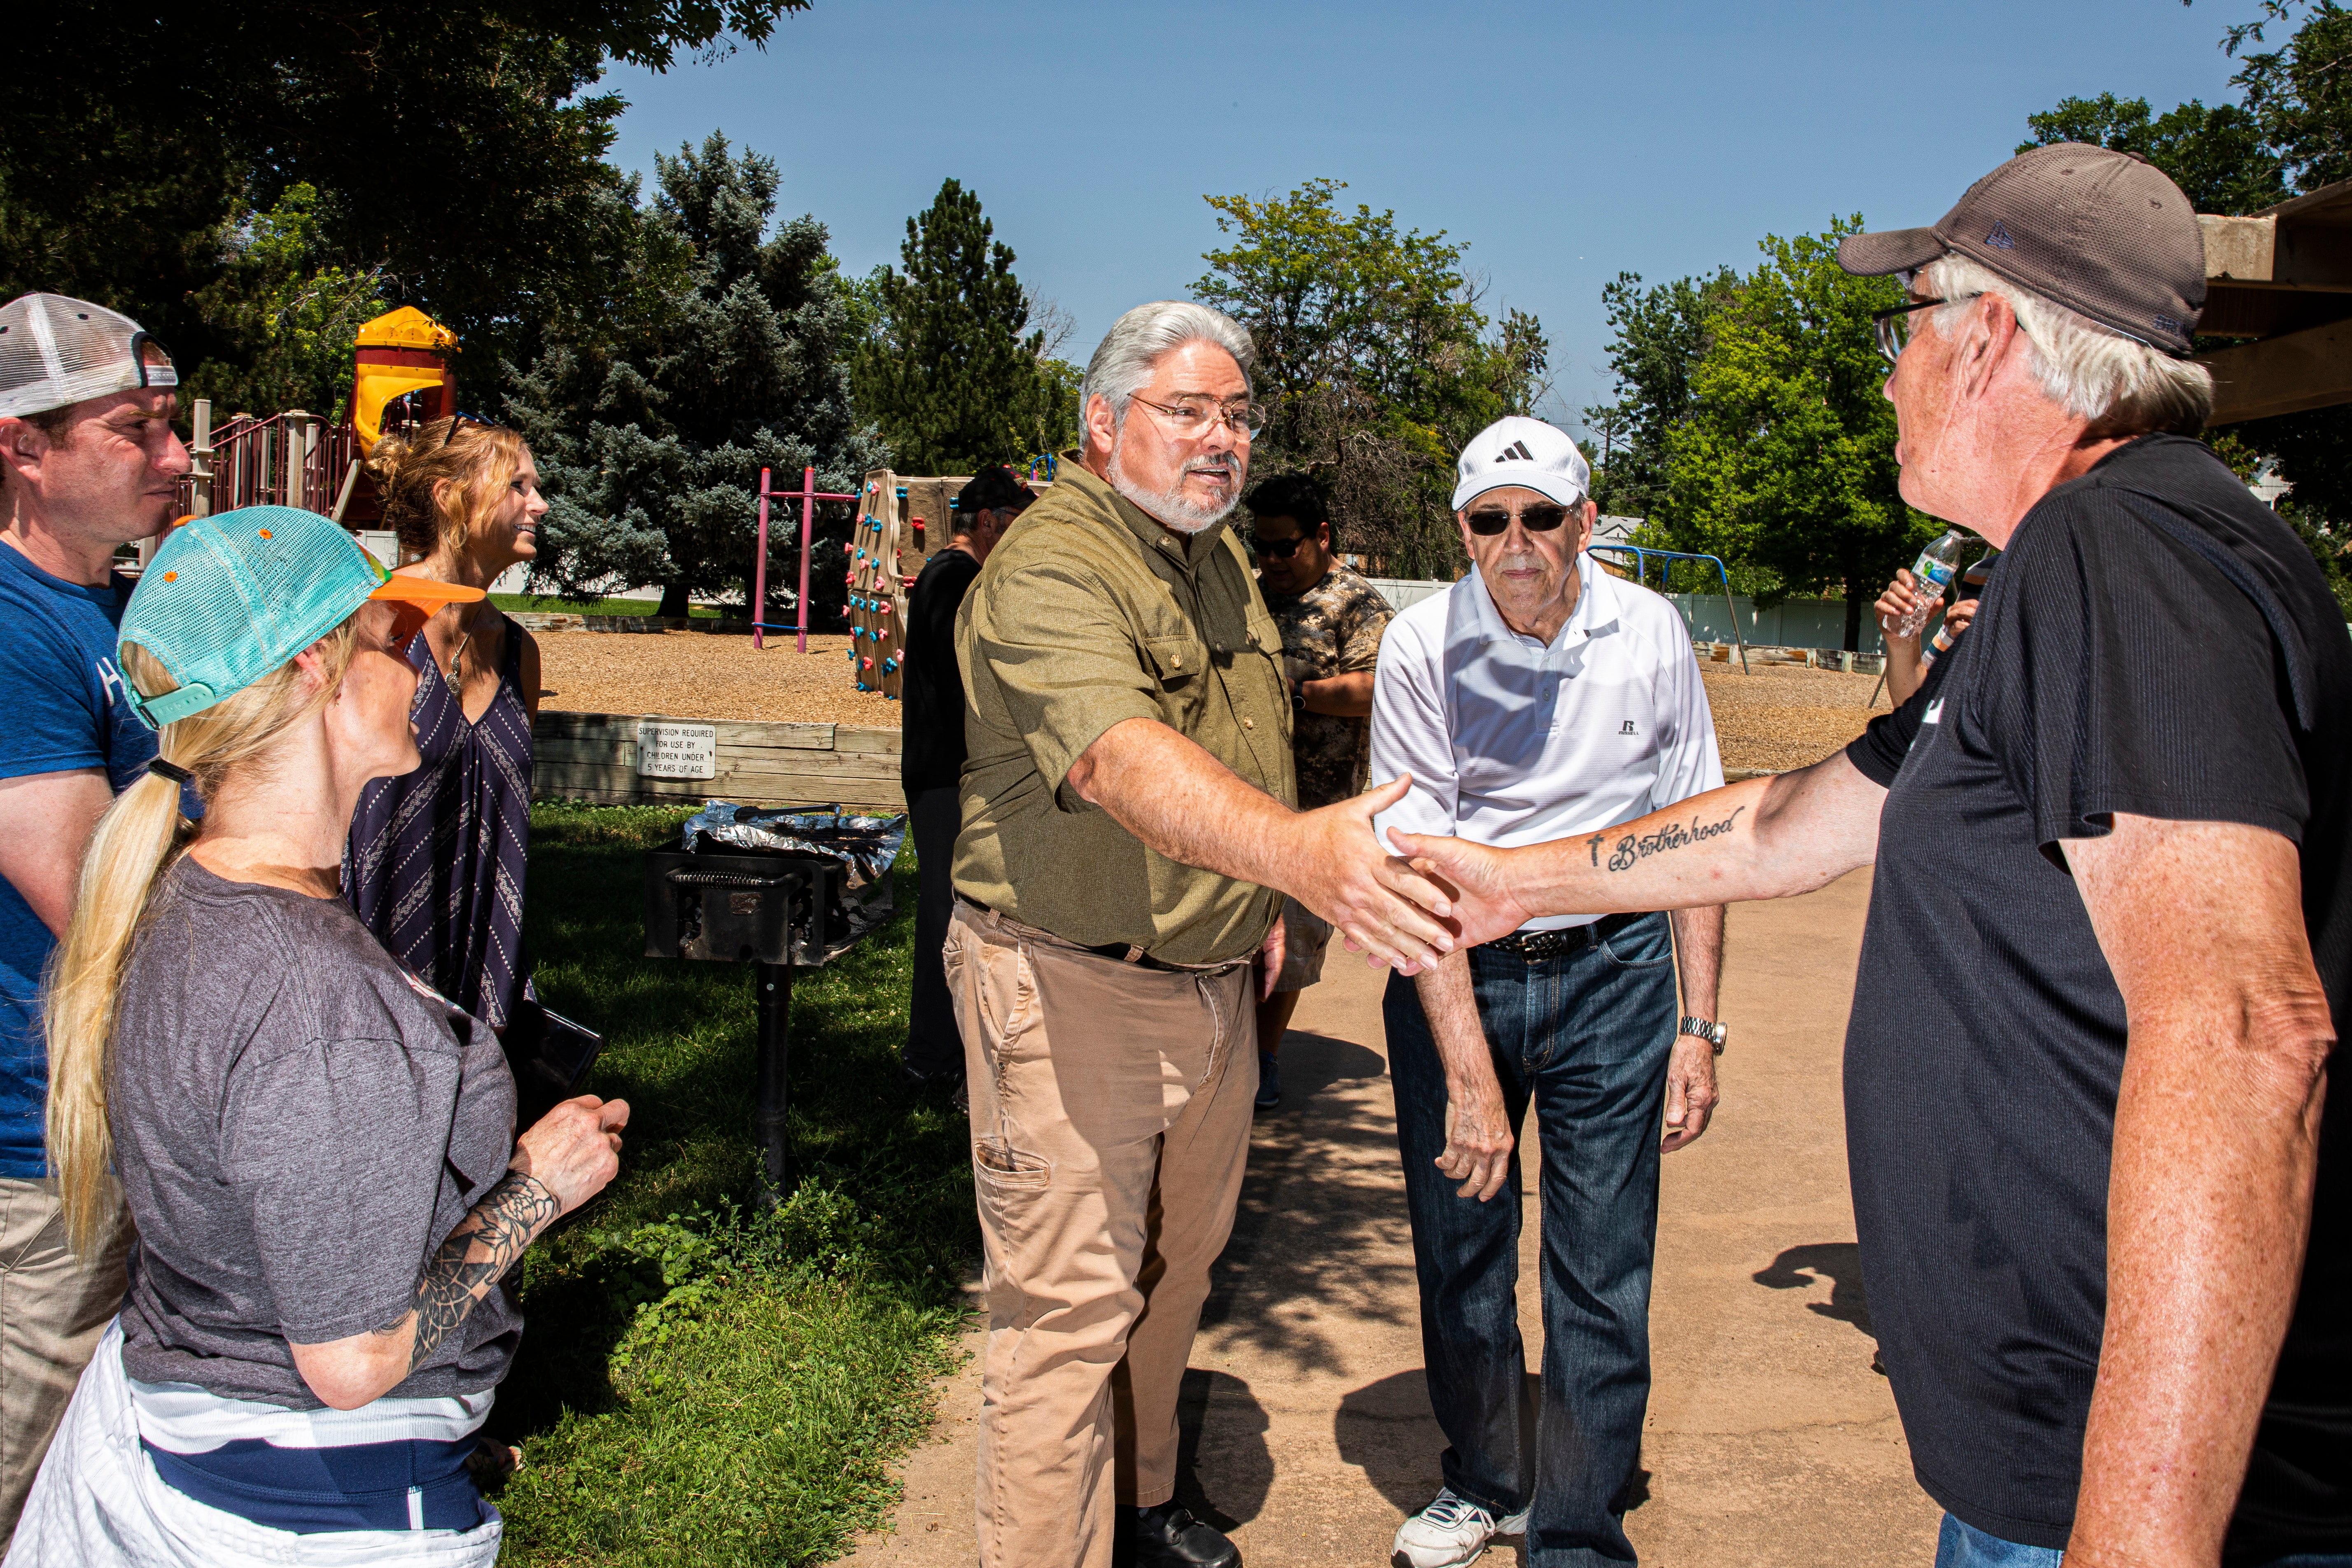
(458, 655)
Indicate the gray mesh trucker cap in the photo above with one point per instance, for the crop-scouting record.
(2106, 234)
(56, 352)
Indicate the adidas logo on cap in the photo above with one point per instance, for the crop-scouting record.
(1526, 453)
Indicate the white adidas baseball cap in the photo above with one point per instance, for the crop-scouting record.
(1517, 450)
(56, 352)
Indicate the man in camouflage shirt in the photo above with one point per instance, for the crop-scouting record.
(1331, 620)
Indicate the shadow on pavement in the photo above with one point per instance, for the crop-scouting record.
(1385, 1429)
(1838, 1262)
(1320, 1243)
(1224, 1469)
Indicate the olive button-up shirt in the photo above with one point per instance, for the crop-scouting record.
(1089, 613)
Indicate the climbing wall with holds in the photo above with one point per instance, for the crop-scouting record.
(878, 585)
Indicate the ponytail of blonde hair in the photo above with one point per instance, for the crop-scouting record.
(135, 844)
(477, 461)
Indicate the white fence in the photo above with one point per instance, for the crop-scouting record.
(1792, 623)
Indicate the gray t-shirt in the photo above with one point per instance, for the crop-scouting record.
(297, 1126)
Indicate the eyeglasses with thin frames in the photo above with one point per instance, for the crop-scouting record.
(1194, 419)
(1893, 323)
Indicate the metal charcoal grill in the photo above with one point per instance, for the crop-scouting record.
(778, 890)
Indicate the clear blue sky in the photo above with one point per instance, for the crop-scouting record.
(1563, 143)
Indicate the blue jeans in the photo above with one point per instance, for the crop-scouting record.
(1585, 1037)
(1960, 1545)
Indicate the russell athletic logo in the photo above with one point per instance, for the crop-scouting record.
(1516, 452)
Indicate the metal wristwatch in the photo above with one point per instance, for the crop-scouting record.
(1707, 1030)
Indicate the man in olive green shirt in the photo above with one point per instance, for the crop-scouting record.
(1128, 838)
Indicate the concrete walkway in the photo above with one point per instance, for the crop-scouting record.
(1306, 1425)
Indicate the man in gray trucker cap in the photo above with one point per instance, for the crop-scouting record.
(2101, 1188)
(87, 463)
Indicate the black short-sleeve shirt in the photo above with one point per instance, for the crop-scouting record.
(931, 749)
(2154, 642)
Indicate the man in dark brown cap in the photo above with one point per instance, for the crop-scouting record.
(2104, 1197)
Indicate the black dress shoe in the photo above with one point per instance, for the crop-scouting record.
(1169, 1537)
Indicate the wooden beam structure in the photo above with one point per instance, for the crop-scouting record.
(2282, 279)
(2285, 374)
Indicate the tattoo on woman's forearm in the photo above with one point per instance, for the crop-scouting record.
(1635, 846)
(481, 1249)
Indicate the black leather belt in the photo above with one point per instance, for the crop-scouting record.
(1534, 946)
(1122, 952)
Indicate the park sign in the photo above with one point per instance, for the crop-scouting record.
(671, 751)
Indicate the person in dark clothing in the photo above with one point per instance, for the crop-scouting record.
(2099, 1179)
(931, 759)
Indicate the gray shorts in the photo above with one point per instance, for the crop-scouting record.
(1305, 935)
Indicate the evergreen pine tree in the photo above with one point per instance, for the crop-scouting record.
(948, 374)
(650, 440)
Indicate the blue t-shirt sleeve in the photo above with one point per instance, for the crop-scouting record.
(58, 707)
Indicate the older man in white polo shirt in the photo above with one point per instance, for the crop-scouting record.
(1540, 696)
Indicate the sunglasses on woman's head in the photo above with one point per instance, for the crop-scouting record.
(1533, 519)
(458, 419)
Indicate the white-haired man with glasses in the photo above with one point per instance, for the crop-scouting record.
(2102, 1190)
(1127, 838)
(1540, 696)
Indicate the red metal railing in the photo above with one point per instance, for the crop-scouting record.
(288, 459)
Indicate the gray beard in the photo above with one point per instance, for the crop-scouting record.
(1172, 510)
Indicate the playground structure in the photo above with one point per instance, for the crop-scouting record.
(294, 459)
(1642, 555)
(808, 496)
(297, 458)
(878, 581)
(902, 522)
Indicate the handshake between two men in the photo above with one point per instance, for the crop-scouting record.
(1421, 896)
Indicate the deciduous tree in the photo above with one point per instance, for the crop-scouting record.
(1785, 461)
(1375, 361)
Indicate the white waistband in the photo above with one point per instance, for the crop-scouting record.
(181, 1418)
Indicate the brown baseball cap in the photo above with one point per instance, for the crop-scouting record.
(2104, 233)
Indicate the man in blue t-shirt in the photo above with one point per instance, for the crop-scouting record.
(87, 463)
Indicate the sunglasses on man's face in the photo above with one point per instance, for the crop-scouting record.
(1280, 549)
(1533, 519)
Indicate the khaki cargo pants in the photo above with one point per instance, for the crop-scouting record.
(53, 1307)
(1110, 1122)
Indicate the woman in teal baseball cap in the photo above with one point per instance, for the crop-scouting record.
(319, 1150)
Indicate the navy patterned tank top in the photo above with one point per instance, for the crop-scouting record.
(435, 862)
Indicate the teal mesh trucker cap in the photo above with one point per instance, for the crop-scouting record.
(227, 599)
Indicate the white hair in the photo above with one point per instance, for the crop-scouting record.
(2122, 386)
(1123, 361)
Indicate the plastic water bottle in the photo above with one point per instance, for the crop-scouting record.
(1930, 575)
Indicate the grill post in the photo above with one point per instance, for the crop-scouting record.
(771, 987)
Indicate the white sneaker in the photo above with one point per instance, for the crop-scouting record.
(1450, 1533)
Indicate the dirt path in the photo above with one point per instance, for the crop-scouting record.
(1778, 717)
(1306, 1426)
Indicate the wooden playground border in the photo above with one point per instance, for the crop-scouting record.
(594, 757)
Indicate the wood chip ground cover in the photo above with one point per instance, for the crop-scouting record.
(1778, 717)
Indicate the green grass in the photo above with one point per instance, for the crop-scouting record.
(549, 606)
(699, 1384)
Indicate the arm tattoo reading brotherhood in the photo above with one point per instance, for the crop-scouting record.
(1635, 846)
(483, 1247)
